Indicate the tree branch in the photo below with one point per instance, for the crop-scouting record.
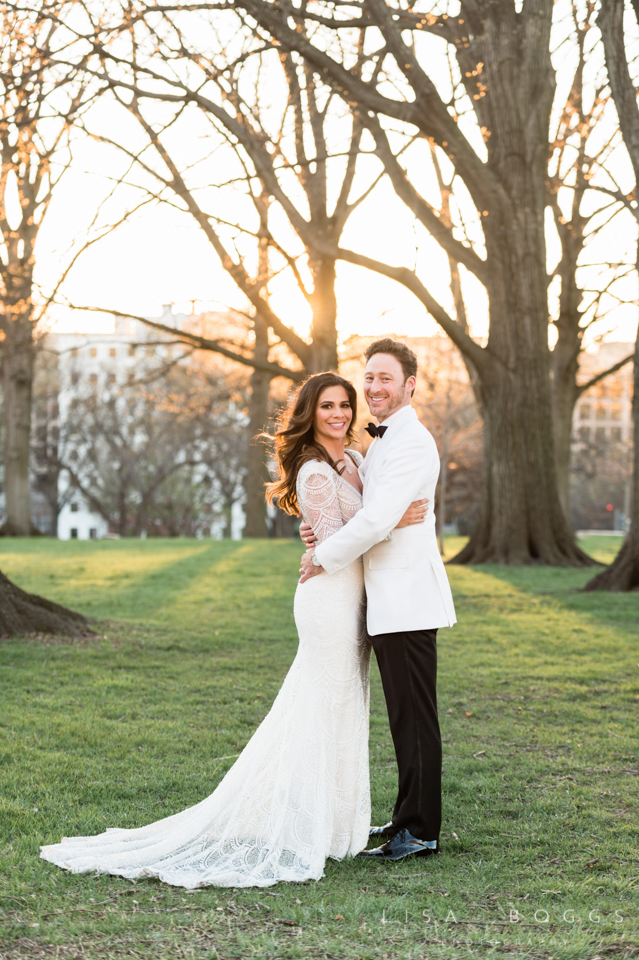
(202, 343)
(581, 388)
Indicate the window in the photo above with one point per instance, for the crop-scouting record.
(615, 434)
(150, 351)
(93, 378)
(600, 411)
(74, 533)
(584, 411)
(584, 433)
(93, 534)
(93, 352)
(600, 433)
(74, 352)
(615, 411)
(132, 350)
(74, 508)
(113, 352)
(75, 378)
(111, 378)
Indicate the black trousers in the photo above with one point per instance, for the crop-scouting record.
(408, 665)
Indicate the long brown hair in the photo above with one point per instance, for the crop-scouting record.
(295, 441)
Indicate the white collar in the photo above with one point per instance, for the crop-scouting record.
(399, 417)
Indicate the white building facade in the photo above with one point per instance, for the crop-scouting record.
(102, 361)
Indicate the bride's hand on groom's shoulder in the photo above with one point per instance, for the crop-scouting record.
(416, 513)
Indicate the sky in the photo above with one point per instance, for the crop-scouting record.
(161, 257)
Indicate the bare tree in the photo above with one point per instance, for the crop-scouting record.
(286, 158)
(577, 167)
(623, 573)
(505, 85)
(39, 104)
(144, 455)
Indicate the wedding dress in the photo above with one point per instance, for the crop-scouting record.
(299, 791)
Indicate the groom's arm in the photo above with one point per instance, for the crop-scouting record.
(397, 486)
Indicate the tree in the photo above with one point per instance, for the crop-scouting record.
(580, 158)
(284, 160)
(623, 573)
(45, 437)
(39, 104)
(144, 454)
(505, 86)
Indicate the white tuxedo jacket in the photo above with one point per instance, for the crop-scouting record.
(406, 583)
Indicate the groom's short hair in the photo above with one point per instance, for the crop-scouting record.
(396, 349)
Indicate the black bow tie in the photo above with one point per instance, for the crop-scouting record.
(376, 431)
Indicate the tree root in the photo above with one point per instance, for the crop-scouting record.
(23, 613)
(623, 573)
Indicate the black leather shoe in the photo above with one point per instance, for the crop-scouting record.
(402, 844)
(385, 831)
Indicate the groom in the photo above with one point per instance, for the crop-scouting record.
(407, 590)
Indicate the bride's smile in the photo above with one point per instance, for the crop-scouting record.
(333, 415)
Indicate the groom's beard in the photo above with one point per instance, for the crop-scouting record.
(388, 410)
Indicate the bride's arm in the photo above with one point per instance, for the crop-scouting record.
(318, 500)
(396, 488)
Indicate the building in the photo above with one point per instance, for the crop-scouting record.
(602, 442)
(100, 362)
(605, 411)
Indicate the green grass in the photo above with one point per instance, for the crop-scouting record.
(539, 702)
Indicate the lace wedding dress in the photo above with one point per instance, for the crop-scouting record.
(299, 791)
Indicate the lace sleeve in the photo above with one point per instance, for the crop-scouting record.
(318, 500)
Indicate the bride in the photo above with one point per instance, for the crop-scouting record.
(299, 791)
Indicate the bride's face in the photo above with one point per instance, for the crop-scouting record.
(333, 414)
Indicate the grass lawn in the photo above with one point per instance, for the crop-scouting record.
(539, 701)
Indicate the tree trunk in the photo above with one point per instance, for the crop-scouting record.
(565, 393)
(18, 366)
(228, 518)
(24, 613)
(123, 518)
(324, 325)
(623, 573)
(522, 520)
(257, 472)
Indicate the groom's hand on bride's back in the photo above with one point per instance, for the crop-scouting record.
(308, 568)
(416, 513)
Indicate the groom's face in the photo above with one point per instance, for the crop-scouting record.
(385, 388)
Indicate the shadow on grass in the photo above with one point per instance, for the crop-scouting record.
(183, 584)
(565, 586)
